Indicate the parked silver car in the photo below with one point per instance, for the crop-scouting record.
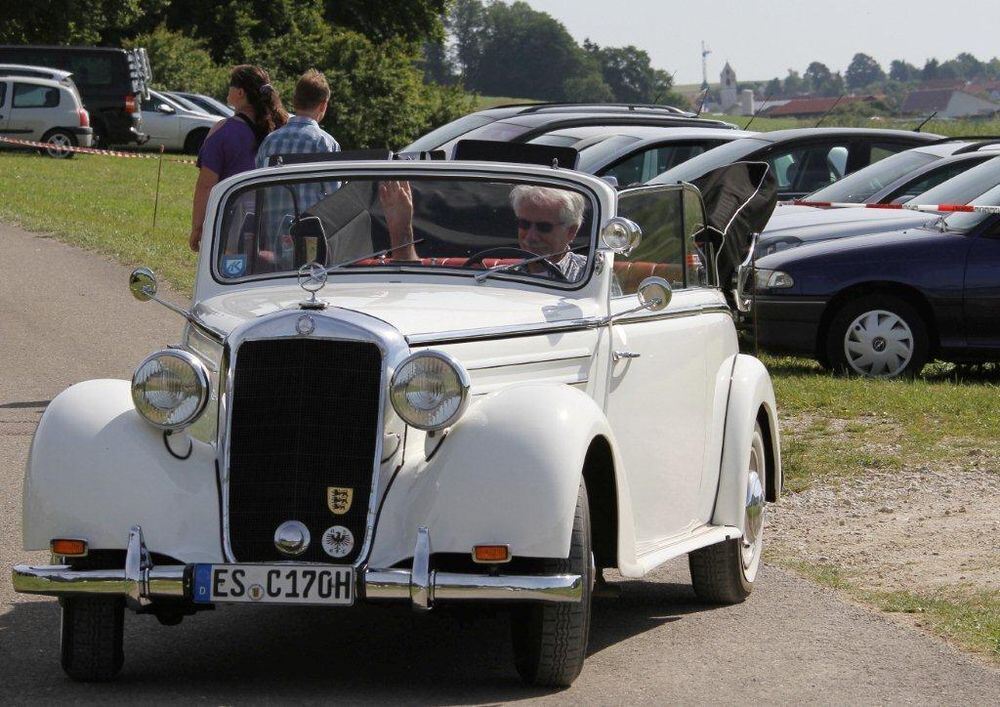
(170, 124)
(44, 110)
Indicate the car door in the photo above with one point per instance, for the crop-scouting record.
(658, 400)
(982, 291)
(4, 105)
(31, 110)
(803, 167)
(162, 126)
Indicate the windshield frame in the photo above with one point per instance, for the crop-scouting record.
(543, 176)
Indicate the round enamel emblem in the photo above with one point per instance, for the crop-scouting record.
(305, 325)
(338, 541)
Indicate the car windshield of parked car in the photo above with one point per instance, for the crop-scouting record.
(436, 138)
(857, 187)
(707, 161)
(963, 222)
(460, 225)
(965, 187)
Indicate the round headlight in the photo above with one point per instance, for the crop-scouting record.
(170, 388)
(430, 390)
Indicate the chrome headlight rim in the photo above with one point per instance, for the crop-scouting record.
(465, 386)
(204, 385)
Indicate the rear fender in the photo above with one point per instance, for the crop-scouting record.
(507, 473)
(750, 394)
(96, 468)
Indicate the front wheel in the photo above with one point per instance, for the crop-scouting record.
(878, 336)
(550, 640)
(724, 573)
(92, 644)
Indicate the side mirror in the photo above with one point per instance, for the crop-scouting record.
(164, 108)
(142, 284)
(654, 294)
(621, 235)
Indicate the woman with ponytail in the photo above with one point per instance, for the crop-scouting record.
(231, 146)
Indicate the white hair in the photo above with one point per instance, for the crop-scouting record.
(571, 203)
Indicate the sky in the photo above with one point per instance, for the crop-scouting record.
(762, 39)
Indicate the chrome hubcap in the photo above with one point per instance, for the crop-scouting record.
(753, 521)
(58, 142)
(878, 344)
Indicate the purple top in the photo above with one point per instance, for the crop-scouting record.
(229, 150)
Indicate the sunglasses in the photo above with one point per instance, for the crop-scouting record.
(524, 224)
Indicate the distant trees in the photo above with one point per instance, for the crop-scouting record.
(863, 71)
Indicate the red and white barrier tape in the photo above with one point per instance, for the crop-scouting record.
(940, 208)
(87, 150)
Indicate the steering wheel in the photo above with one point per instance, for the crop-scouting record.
(510, 251)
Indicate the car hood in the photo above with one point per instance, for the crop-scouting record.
(793, 228)
(414, 308)
(852, 248)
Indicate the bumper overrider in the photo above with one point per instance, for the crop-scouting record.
(141, 583)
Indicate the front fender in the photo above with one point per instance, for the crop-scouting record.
(96, 468)
(749, 392)
(507, 473)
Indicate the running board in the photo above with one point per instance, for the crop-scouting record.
(660, 552)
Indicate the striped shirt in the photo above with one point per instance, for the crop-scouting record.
(300, 135)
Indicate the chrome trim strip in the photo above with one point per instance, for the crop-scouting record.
(528, 359)
(395, 585)
(518, 330)
(62, 580)
(332, 324)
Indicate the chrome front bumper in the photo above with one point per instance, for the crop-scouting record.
(140, 583)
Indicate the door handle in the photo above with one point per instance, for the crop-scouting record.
(619, 355)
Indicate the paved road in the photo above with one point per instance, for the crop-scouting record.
(66, 316)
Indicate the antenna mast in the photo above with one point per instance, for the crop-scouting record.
(705, 51)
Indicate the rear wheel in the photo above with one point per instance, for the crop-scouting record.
(92, 644)
(60, 140)
(192, 143)
(724, 573)
(550, 640)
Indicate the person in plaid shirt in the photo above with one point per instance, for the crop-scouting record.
(301, 134)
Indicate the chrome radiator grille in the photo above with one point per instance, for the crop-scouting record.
(304, 423)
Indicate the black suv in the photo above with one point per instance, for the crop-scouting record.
(111, 82)
(525, 122)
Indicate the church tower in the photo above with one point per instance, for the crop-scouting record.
(728, 95)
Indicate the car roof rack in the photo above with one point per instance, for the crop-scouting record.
(652, 107)
(966, 138)
(496, 151)
(974, 147)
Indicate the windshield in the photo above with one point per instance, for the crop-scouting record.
(464, 225)
(963, 188)
(964, 222)
(707, 161)
(860, 186)
(436, 138)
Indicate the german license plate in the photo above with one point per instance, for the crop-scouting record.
(274, 584)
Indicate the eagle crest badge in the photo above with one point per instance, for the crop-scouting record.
(338, 499)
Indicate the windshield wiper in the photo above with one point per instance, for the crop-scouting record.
(376, 254)
(526, 261)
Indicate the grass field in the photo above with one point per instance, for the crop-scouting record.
(834, 429)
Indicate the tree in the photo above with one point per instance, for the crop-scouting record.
(67, 22)
(525, 53)
(467, 24)
(902, 71)
(627, 71)
(588, 88)
(773, 89)
(818, 79)
(863, 71)
(930, 70)
(181, 63)
(410, 20)
(793, 85)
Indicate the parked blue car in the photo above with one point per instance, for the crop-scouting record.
(883, 305)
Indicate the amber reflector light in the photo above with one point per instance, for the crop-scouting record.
(69, 547)
(491, 553)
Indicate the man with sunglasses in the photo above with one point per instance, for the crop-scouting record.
(547, 221)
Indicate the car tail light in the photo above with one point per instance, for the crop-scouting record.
(491, 553)
(84, 118)
(130, 103)
(68, 547)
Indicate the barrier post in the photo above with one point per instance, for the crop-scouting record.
(156, 200)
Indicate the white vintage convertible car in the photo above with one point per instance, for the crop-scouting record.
(421, 382)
